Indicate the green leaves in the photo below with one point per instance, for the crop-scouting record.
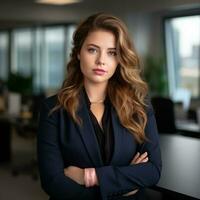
(155, 75)
(20, 84)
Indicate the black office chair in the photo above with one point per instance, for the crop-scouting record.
(192, 115)
(5, 141)
(164, 114)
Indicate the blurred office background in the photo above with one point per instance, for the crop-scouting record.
(35, 43)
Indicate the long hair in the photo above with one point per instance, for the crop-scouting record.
(126, 90)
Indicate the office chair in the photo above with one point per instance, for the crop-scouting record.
(164, 114)
(5, 141)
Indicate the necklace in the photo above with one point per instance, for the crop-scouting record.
(96, 102)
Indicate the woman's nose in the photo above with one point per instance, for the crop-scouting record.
(101, 59)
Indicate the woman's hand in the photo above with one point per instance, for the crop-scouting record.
(75, 173)
(85, 176)
(138, 158)
(90, 177)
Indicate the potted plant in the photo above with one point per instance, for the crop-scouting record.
(20, 89)
(155, 76)
(20, 84)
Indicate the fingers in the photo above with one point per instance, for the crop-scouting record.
(130, 193)
(135, 158)
(144, 160)
(66, 171)
(75, 173)
(70, 170)
(140, 158)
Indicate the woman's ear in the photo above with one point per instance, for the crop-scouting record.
(78, 56)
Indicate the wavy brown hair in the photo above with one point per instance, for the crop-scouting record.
(126, 90)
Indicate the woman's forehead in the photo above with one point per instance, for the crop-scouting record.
(101, 38)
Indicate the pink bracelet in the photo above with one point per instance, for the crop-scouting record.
(90, 178)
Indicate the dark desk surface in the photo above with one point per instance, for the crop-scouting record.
(188, 126)
(181, 164)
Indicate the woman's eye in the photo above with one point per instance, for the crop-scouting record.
(92, 50)
(112, 53)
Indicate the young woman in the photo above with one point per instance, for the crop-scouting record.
(97, 137)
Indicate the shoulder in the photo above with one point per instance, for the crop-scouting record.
(47, 111)
(50, 102)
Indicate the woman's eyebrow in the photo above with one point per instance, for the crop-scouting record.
(94, 45)
(112, 48)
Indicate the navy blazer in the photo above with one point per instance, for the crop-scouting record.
(61, 143)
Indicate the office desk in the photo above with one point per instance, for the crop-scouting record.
(181, 165)
(7, 123)
(189, 126)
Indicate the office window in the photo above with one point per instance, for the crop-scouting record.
(37, 58)
(53, 59)
(21, 48)
(40, 52)
(183, 54)
(4, 43)
(53, 46)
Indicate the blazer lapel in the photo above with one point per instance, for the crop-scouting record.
(88, 135)
(118, 132)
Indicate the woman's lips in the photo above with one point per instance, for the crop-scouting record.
(99, 71)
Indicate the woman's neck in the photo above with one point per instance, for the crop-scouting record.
(96, 92)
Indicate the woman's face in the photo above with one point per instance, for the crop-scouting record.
(98, 59)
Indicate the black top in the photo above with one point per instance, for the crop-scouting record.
(104, 135)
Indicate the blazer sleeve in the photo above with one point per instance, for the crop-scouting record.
(50, 160)
(117, 180)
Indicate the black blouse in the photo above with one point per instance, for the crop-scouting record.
(104, 135)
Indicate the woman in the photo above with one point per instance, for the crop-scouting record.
(97, 137)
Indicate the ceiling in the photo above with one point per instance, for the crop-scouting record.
(26, 11)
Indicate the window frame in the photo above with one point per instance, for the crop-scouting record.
(171, 15)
